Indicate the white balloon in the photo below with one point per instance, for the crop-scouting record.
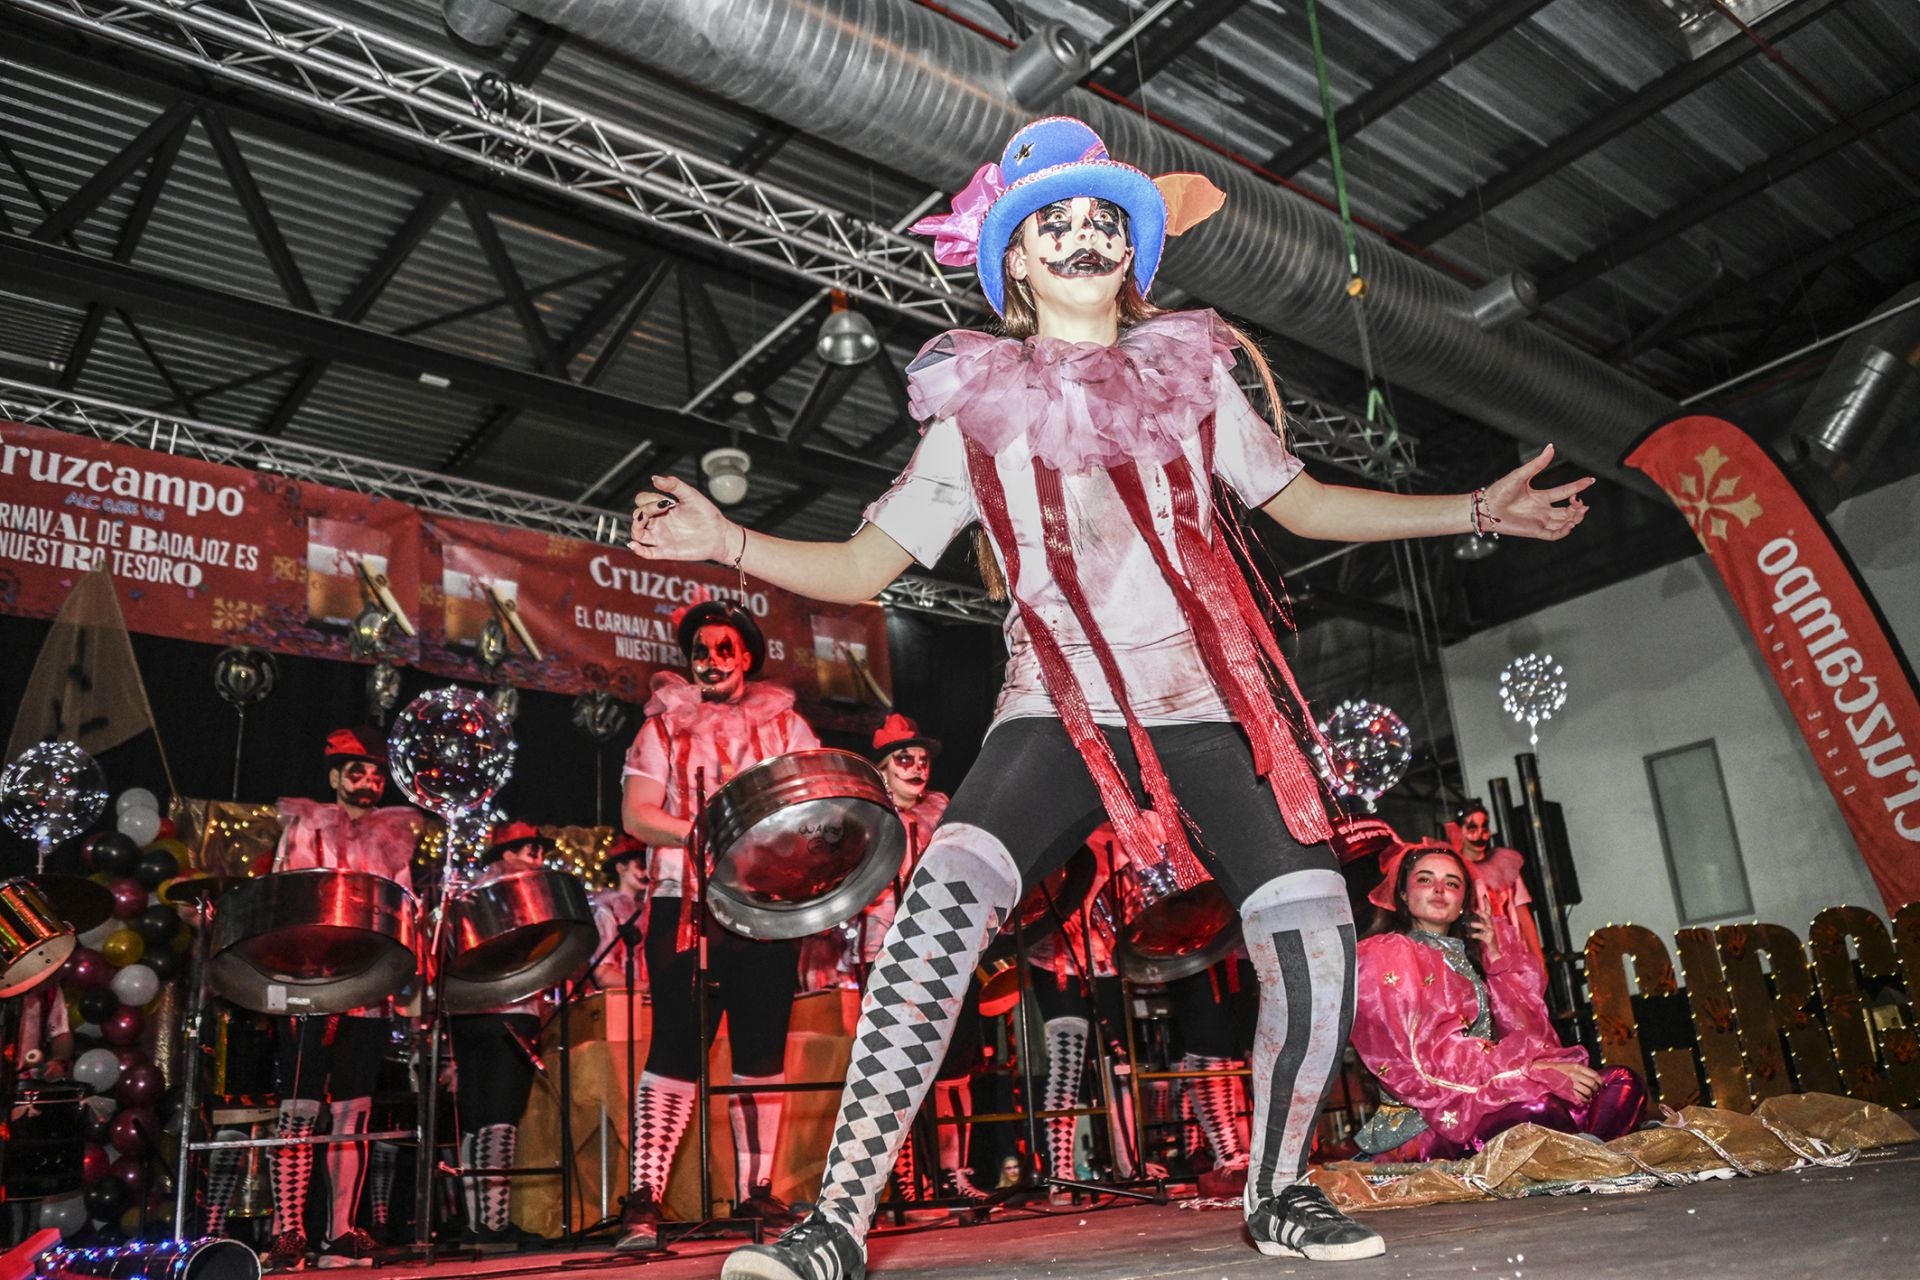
(88, 1029)
(139, 825)
(136, 984)
(98, 1069)
(136, 798)
(101, 932)
(68, 1215)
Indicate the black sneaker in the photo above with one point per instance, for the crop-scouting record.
(639, 1226)
(1301, 1222)
(354, 1249)
(764, 1205)
(285, 1252)
(817, 1249)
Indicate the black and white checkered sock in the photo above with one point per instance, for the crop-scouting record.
(292, 1167)
(493, 1148)
(964, 887)
(661, 1108)
(1299, 932)
(1216, 1105)
(223, 1179)
(1066, 1067)
(384, 1165)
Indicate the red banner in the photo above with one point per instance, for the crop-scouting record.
(224, 555)
(1848, 683)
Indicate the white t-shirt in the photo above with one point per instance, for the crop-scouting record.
(1159, 659)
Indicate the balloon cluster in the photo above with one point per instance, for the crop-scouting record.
(1532, 688)
(1368, 749)
(115, 986)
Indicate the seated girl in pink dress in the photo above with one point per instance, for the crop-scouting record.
(1451, 1017)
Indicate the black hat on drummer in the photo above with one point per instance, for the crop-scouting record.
(520, 838)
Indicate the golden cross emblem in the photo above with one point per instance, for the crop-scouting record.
(1707, 500)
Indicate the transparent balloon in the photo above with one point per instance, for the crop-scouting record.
(1533, 687)
(1368, 750)
(53, 792)
(451, 751)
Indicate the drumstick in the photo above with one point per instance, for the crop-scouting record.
(382, 590)
(509, 611)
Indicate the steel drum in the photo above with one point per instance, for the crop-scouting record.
(515, 936)
(800, 843)
(34, 939)
(321, 940)
(1175, 936)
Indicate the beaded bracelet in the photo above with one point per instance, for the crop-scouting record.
(1483, 519)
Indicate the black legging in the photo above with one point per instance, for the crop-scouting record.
(493, 1067)
(1070, 1001)
(753, 987)
(331, 1057)
(1212, 1018)
(1031, 790)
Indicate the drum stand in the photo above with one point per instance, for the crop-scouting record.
(1102, 1063)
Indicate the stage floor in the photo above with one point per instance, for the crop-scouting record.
(1858, 1221)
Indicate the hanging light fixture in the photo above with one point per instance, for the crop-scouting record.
(726, 472)
(846, 337)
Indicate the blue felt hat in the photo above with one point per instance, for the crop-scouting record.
(1060, 158)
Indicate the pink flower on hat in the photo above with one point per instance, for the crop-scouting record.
(956, 234)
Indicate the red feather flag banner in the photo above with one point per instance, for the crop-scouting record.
(1820, 633)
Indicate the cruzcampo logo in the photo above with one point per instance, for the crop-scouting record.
(1708, 498)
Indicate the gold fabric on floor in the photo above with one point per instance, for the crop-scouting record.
(1696, 1143)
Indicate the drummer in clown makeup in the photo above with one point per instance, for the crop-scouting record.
(1081, 442)
(702, 729)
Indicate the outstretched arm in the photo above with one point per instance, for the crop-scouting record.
(690, 527)
(1512, 507)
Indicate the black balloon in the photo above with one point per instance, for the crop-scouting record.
(111, 852)
(158, 923)
(165, 962)
(106, 1198)
(97, 1004)
(154, 866)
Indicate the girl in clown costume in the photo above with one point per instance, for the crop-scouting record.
(1083, 442)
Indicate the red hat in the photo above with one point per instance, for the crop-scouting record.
(511, 835)
(897, 733)
(623, 848)
(355, 744)
(1390, 860)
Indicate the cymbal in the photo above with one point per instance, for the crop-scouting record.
(195, 888)
(82, 903)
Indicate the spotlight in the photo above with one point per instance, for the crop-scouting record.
(726, 473)
(1471, 546)
(846, 337)
(1503, 300)
(1053, 60)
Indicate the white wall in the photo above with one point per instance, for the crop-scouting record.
(1661, 661)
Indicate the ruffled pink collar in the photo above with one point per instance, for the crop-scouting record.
(678, 699)
(1080, 405)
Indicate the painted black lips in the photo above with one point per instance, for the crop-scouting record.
(1087, 262)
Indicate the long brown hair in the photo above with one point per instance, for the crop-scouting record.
(1400, 920)
(1020, 319)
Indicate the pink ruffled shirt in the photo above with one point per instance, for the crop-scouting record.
(1083, 407)
(721, 739)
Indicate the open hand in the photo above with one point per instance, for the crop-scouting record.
(675, 521)
(1518, 510)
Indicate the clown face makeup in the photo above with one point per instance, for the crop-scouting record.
(358, 784)
(1073, 252)
(1476, 834)
(906, 773)
(631, 876)
(522, 857)
(719, 660)
(1436, 892)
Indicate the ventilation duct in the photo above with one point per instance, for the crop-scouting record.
(1871, 387)
(925, 96)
